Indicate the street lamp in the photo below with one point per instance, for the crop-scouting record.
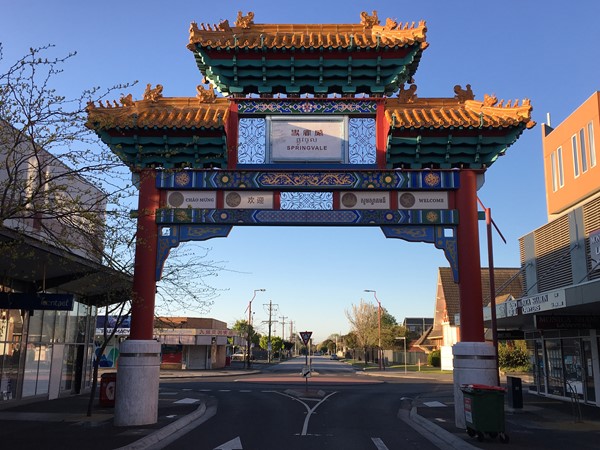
(379, 324)
(247, 365)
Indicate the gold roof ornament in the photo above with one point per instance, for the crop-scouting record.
(463, 94)
(153, 94)
(367, 34)
(244, 21)
(368, 21)
(453, 112)
(206, 95)
(170, 112)
(408, 95)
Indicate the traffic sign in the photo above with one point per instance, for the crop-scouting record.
(305, 335)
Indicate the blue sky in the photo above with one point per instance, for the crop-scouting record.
(544, 50)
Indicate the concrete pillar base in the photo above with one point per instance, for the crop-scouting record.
(138, 376)
(474, 363)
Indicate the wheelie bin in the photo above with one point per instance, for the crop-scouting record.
(484, 411)
(108, 388)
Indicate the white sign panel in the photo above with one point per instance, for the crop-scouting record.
(544, 302)
(248, 200)
(500, 311)
(364, 200)
(423, 200)
(511, 308)
(595, 249)
(192, 199)
(293, 139)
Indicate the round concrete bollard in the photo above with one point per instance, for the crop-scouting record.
(138, 372)
(474, 363)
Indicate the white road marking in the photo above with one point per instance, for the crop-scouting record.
(379, 444)
(234, 444)
(187, 401)
(435, 404)
(309, 410)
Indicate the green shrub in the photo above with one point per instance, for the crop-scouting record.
(434, 358)
(513, 355)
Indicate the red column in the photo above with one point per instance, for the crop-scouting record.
(469, 265)
(144, 275)
(382, 128)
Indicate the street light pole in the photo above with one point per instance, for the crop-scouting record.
(379, 325)
(247, 365)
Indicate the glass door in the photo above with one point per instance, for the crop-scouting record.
(590, 389)
(538, 368)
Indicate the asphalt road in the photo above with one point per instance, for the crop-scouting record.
(335, 408)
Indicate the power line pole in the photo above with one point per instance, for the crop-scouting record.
(269, 347)
(283, 327)
(282, 335)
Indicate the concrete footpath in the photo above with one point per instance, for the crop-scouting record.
(63, 424)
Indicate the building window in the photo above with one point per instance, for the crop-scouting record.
(592, 145)
(575, 155)
(554, 172)
(584, 162)
(561, 173)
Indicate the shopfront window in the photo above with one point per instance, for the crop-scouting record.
(11, 329)
(573, 367)
(555, 367)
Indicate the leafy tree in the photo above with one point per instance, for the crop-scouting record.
(363, 319)
(276, 343)
(59, 183)
(513, 355)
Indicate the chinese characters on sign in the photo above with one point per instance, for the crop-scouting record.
(248, 200)
(297, 140)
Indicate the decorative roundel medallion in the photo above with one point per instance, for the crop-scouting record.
(182, 179)
(432, 179)
(182, 215)
(407, 200)
(432, 216)
(175, 199)
(233, 199)
(349, 200)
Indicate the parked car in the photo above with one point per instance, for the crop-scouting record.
(334, 357)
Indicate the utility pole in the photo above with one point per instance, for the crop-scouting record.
(283, 327)
(282, 334)
(270, 322)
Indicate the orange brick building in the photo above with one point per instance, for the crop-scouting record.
(559, 311)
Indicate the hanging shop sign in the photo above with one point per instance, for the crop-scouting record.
(565, 322)
(40, 301)
(544, 302)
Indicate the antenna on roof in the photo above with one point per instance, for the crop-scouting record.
(548, 119)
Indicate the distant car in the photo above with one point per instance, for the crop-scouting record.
(334, 356)
(238, 356)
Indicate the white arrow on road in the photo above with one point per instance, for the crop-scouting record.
(234, 444)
